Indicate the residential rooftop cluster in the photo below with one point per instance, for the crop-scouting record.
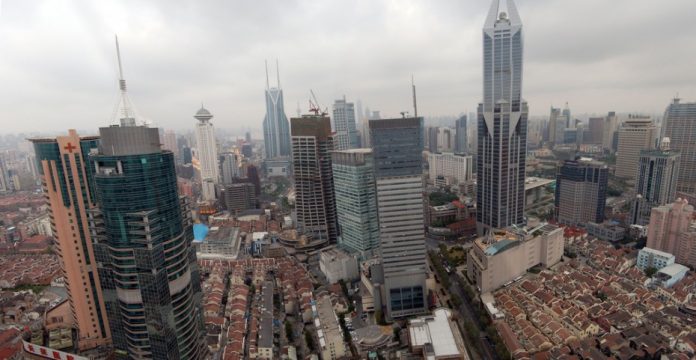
(595, 307)
(35, 269)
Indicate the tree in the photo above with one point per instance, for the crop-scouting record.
(649, 272)
(309, 340)
(288, 331)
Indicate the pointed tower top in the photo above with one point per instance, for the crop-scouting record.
(267, 84)
(502, 10)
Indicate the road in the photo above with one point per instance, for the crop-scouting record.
(466, 311)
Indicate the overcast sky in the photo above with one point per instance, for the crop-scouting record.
(58, 66)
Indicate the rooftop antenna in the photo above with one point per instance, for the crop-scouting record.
(415, 105)
(127, 113)
(267, 85)
(278, 73)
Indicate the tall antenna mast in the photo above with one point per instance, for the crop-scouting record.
(415, 105)
(278, 73)
(127, 118)
(267, 85)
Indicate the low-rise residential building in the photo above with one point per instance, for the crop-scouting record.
(503, 255)
(651, 258)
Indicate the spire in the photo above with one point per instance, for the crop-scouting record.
(127, 114)
(415, 104)
(505, 11)
(267, 85)
(278, 73)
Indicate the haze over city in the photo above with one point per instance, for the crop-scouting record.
(58, 64)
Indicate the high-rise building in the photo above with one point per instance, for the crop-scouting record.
(356, 200)
(611, 124)
(595, 133)
(502, 123)
(636, 134)
(67, 185)
(169, 142)
(229, 167)
(397, 145)
(315, 202)
(186, 156)
(206, 147)
(142, 233)
(455, 168)
(344, 125)
(252, 173)
(247, 150)
(557, 126)
(581, 191)
(247, 137)
(679, 125)
(656, 183)
(5, 182)
(431, 138)
(446, 139)
(239, 196)
(276, 131)
(461, 145)
(667, 223)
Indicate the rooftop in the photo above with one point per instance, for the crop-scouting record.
(436, 330)
(673, 270)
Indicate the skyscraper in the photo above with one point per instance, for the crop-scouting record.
(656, 183)
(207, 153)
(595, 131)
(169, 141)
(315, 202)
(611, 124)
(397, 145)
(680, 127)
(142, 233)
(431, 138)
(581, 191)
(356, 200)
(229, 167)
(460, 141)
(502, 122)
(276, 131)
(67, 185)
(344, 125)
(635, 134)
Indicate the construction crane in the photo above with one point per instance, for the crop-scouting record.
(314, 105)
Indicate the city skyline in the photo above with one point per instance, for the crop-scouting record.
(172, 64)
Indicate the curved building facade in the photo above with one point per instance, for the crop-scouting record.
(142, 234)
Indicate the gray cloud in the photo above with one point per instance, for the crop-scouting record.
(58, 69)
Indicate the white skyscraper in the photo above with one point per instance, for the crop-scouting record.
(207, 153)
(344, 125)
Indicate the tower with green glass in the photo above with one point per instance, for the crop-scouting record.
(142, 233)
(356, 201)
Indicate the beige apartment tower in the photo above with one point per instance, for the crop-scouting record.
(68, 190)
(635, 134)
